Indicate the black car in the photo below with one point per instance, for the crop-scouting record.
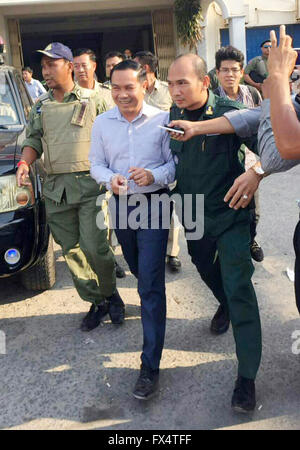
(26, 246)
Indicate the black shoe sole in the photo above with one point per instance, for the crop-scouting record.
(256, 259)
(219, 330)
(85, 328)
(172, 268)
(240, 410)
(140, 397)
(117, 318)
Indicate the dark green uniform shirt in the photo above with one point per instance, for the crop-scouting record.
(72, 184)
(209, 164)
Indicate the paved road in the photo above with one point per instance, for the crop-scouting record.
(53, 376)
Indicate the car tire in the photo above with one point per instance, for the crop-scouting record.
(41, 276)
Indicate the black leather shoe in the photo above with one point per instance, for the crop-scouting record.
(220, 322)
(243, 399)
(147, 383)
(120, 272)
(256, 252)
(174, 263)
(94, 316)
(116, 309)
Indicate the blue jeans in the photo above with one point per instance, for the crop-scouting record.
(145, 253)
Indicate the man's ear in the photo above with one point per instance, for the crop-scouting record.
(147, 68)
(71, 66)
(145, 85)
(206, 82)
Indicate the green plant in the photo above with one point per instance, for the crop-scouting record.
(188, 16)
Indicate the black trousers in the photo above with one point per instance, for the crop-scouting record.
(297, 264)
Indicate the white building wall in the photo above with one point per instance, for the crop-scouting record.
(236, 14)
(275, 12)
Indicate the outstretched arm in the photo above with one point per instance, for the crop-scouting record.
(284, 120)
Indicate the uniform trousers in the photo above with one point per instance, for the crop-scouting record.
(225, 265)
(84, 245)
(145, 251)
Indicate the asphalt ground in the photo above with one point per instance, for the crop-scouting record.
(53, 376)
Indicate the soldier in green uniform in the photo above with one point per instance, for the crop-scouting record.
(256, 70)
(209, 165)
(59, 127)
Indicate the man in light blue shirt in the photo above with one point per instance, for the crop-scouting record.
(131, 154)
(34, 87)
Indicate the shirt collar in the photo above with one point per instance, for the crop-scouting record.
(75, 91)
(115, 113)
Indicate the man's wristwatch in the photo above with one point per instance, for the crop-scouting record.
(258, 170)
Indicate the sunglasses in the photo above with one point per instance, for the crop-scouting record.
(267, 46)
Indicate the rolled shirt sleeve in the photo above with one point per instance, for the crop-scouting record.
(244, 121)
(270, 158)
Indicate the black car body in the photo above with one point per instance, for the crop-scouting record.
(25, 241)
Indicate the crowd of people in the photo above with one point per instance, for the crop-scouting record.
(109, 140)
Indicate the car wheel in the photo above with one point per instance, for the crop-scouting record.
(41, 276)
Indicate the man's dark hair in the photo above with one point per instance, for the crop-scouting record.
(148, 58)
(226, 53)
(114, 54)
(85, 51)
(133, 65)
(28, 69)
(263, 43)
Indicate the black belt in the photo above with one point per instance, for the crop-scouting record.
(147, 194)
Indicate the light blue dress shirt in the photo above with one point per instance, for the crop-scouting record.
(35, 89)
(117, 145)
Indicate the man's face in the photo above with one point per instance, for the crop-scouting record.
(56, 72)
(27, 76)
(127, 53)
(186, 89)
(230, 74)
(127, 91)
(84, 68)
(265, 49)
(110, 63)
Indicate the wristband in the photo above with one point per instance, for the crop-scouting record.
(22, 162)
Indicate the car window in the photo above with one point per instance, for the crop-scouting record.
(8, 109)
(26, 103)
